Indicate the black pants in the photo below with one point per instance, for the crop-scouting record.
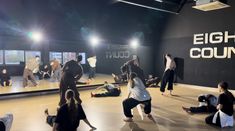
(113, 92)
(209, 120)
(50, 120)
(92, 72)
(7, 82)
(152, 82)
(168, 76)
(67, 82)
(40, 75)
(203, 109)
(130, 103)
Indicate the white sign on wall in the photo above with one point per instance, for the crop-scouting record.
(210, 43)
(117, 52)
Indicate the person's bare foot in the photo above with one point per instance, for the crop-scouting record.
(151, 118)
(93, 128)
(186, 109)
(128, 119)
(171, 93)
(92, 95)
(163, 94)
(46, 112)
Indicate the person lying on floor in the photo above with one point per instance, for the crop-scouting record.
(224, 116)
(68, 116)
(152, 81)
(111, 90)
(207, 104)
(5, 78)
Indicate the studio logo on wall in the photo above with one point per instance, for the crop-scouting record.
(117, 52)
(219, 45)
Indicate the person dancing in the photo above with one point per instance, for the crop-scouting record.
(111, 90)
(168, 76)
(32, 65)
(137, 95)
(71, 73)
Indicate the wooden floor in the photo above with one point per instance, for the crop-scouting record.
(17, 86)
(106, 113)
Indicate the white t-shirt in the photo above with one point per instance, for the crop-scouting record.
(139, 91)
(110, 86)
(170, 64)
(92, 61)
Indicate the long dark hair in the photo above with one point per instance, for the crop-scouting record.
(72, 105)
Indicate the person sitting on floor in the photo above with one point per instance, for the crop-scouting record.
(112, 90)
(6, 122)
(137, 95)
(46, 72)
(5, 78)
(224, 116)
(152, 81)
(207, 104)
(69, 115)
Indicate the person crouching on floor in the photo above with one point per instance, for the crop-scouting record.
(111, 90)
(137, 95)
(224, 116)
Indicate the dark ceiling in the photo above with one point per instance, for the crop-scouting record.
(74, 19)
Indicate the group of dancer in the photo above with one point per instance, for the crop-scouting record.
(70, 110)
(53, 70)
(137, 95)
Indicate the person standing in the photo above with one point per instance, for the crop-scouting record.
(92, 63)
(133, 66)
(30, 66)
(224, 116)
(71, 73)
(168, 76)
(56, 70)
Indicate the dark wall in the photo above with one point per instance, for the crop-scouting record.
(111, 57)
(177, 40)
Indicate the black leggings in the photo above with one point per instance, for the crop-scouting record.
(50, 120)
(130, 103)
(203, 109)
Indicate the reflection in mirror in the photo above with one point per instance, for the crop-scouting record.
(108, 62)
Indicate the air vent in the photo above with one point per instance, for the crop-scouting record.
(210, 5)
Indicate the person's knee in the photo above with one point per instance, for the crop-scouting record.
(207, 120)
(124, 103)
